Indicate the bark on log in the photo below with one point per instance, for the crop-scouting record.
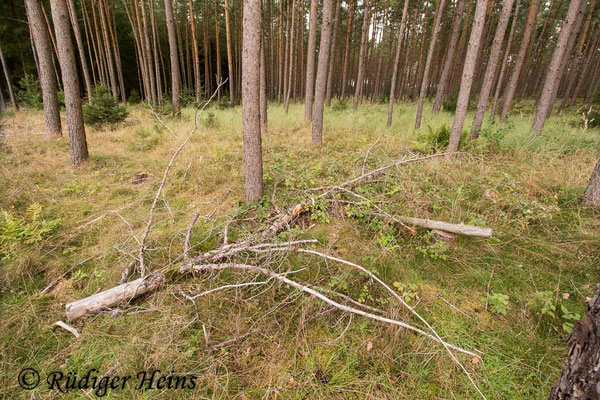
(580, 377)
(112, 297)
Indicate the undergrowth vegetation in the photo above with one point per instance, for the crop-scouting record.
(513, 297)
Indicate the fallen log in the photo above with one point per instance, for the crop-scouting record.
(112, 297)
(461, 229)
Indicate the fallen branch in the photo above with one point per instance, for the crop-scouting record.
(306, 289)
(461, 229)
(67, 328)
(112, 297)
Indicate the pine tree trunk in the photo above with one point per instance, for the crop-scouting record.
(321, 81)
(507, 53)
(218, 49)
(46, 69)
(263, 88)
(107, 48)
(253, 173)
(115, 43)
(514, 78)
(492, 66)
(79, 40)
(579, 379)
(425, 83)
(449, 60)
(310, 61)
(464, 92)
(396, 64)
(11, 93)
(344, 81)
(148, 56)
(68, 68)
(553, 75)
(290, 58)
(196, 55)
(361, 56)
(175, 76)
(229, 55)
(329, 90)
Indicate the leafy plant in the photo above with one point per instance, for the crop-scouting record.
(210, 121)
(434, 249)
(104, 109)
(319, 213)
(134, 97)
(16, 231)
(498, 303)
(31, 91)
(339, 106)
(408, 292)
(569, 318)
(545, 303)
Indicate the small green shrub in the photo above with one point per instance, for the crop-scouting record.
(545, 304)
(16, 231)
(104, 109)
(187, 98)
(165, 108)
(210, 121)
(438, 139)
(31, 91)
(498, 303)
(339, 106)
(144, 140)
(134, 97)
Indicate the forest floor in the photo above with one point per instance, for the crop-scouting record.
(511, 297)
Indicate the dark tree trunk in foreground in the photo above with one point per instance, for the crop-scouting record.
(580, 378)
(553, 76)
(310, 61)
(68, 68)
(253, 174)
(467, 76)
(11, 93)
(492, 66)
(396, 64)
(317, 127)
(46, 67)
(425, 83)
(175, 82)
(591, 197)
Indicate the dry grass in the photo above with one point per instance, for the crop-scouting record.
(526, 189)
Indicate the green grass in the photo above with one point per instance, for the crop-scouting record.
(527, 189)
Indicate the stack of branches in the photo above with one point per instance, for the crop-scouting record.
(235, 256)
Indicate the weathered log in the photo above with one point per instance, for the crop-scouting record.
(580, 376)
(461, 229)
(112, 297)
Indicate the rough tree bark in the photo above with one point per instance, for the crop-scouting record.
(514, 78)
(317, 127)
(175, 82)
(364, 37)
(553, 76)
(437, 21)
(397, 64)
(591, 197)
(467, 76)
(253, 174)
(449, 60)
(11, 93)
(492, 66)
(329, 90)
(79, 40)
(580, 376)
(68, 68)
(46, 68)
(343, 83)
(310, 61)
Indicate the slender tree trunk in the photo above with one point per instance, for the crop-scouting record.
(280, 54)
(148, 54)
(585, 69)
(263, 88)
(290, 58)
(317, 126)
(195, 53)
(79, 40)
(396, 64)
(107, 48)
(68, 68)
(344, 81)
(229, 54)
(115, 43)
(218, 48)
(514, 78)
(310, 61)
(11, 93)
(552, 77)
(329, 90)
(490, 71)
(175, 76)
(507, 53)
(253, 172)
(425, 83)
(579, 377)
(449, 60)
(361, 56)
(206, 50)
(46, 69)
(467, 77)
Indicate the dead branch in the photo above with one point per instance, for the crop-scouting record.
(112, 297)
(306, 289)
